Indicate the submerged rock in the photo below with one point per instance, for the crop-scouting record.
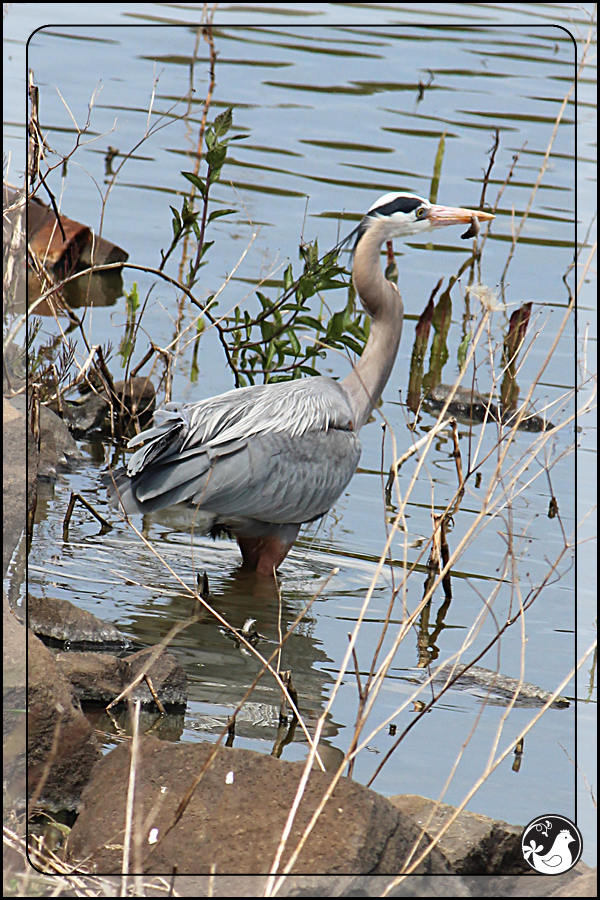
(496, 688)
(102, 677)
(471, 408)
(61, 620)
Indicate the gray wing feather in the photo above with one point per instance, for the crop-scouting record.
(281, 479)
(291, 407)
(280, 453)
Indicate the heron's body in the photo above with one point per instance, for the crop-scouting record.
(261, 461)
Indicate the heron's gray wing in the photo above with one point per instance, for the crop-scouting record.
(272, 478)
(280, 479)
(157, 485)
(292, 407)
(280, 452)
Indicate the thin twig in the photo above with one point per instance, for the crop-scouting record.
(73, 500)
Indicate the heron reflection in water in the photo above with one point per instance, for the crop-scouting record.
(261, 461)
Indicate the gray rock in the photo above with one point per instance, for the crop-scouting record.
(91, 412)
(101, 677)
(494, 687)
(14, 697)
(474, 844)
(17, 489)
(63, 621)
(585, 885)
(319, 886)
(58, 451)
(236, 815)
(61, 747)
(87, 416)
(533, 884)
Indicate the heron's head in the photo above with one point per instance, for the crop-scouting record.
(401, 214)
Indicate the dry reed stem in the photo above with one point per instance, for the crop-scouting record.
(129, 803)
(63, 879)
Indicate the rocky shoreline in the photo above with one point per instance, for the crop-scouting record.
(235, 816)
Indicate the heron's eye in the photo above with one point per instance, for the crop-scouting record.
(421, 212)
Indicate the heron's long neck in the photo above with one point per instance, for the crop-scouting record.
(383, 303)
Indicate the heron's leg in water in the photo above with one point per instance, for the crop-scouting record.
(262, 554)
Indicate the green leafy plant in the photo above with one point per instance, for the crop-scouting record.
(285, 339)
(216, 144)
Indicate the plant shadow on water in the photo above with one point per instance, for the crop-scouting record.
(441, 550)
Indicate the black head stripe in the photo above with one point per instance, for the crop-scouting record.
(398, 204)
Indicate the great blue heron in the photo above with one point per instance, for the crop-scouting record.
(260, 461)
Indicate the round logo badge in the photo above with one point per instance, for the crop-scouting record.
(551, 844)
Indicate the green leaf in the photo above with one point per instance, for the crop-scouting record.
(176, 222)
(265, 302)
(132, 299)
(351, 296)
(282, 349)
(335, 326)
(217, 213)
(463, 347)
(288, 278)
(310, 322)
(351, 343)
(437, 169)
(355, 329)
(223, 122)
(270, 355)
(295, 343)
(305, 288)
(216, 157)
(197, 182)
(188, 215)
(206, 246)
(266, 330)
(329, 285)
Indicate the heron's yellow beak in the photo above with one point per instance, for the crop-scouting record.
(451, 215)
